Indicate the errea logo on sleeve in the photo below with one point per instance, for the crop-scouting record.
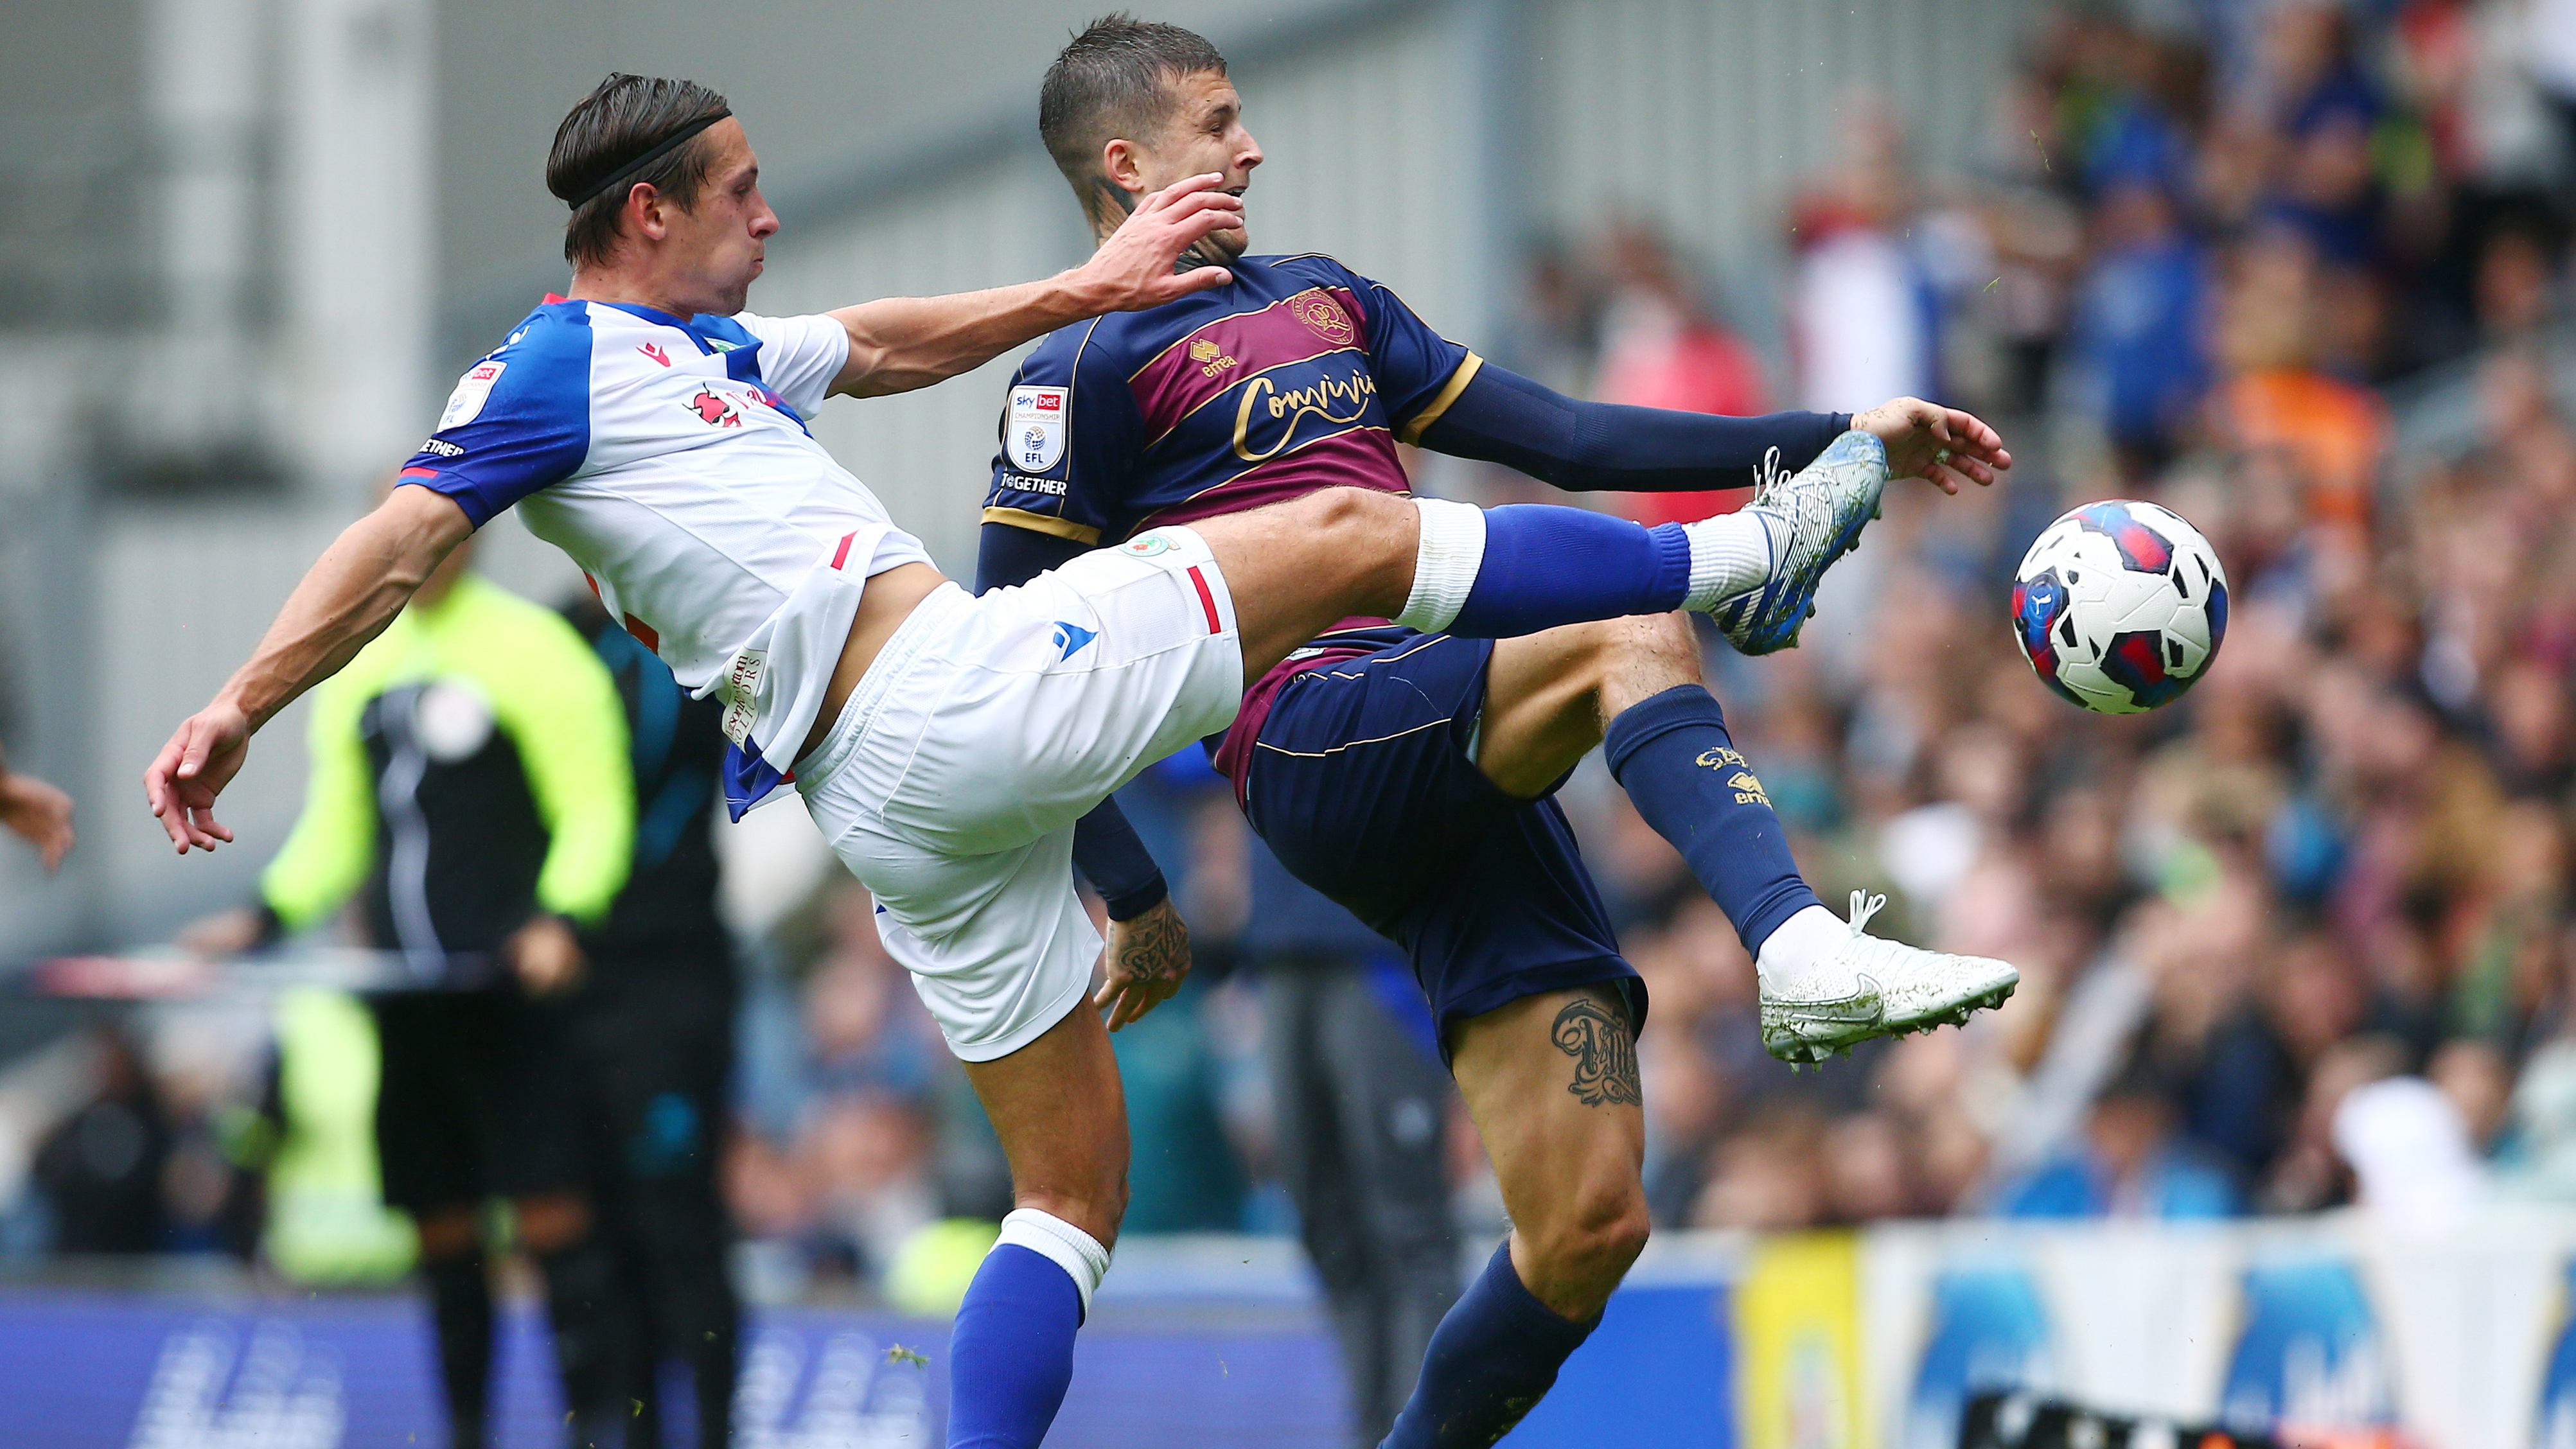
(1033, 433)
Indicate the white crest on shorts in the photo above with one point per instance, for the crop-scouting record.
(472, 390)
(1033, 433)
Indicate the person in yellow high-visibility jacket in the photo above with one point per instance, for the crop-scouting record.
(470, 794)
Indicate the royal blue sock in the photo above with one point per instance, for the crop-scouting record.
(1011, 1354)
(1544, 566)
(1672, 756)
(1491, 1360)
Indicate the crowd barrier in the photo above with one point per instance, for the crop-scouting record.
(2325, 1330)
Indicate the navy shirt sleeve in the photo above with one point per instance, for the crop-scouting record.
(1068, 434)
(1500, 417)
(1418, 371)
(518, 420)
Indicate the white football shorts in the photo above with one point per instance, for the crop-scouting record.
(985, 728)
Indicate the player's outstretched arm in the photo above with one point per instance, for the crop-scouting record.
(1945, 446)
(1498, 416)
(347, 598)
(898, 344)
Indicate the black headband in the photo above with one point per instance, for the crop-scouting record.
(662, 148)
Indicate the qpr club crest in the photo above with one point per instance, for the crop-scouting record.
(1324, 317)
(1033, 432)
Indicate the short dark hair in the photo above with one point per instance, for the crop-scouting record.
(1113, 81)
(622, 118)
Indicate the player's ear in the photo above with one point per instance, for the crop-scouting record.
(645, 216)
(1125, 168)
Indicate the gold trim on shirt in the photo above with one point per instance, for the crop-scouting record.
(1040, 523)
(1412, 430)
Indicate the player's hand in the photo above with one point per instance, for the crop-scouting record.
(191, 770)
(1148, 959)
(1943, 445)
(40, 812)
(547, 956)
(1133, 269)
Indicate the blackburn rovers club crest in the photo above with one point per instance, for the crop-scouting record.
(1150, 545)
(1324, 317)
(1034, 432)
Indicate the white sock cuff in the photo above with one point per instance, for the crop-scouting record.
(1444, 567)
(1729, 554)
(1078, 1253)
(1798, 945)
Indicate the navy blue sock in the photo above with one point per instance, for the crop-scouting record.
(1491, 1360)
(1672, 756)
(1545, 566)
(1011, 1354)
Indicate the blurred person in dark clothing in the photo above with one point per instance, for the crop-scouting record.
(1363, 1106)
(653, 1035)
(470, 795)
(100, 1170)
(38, 813)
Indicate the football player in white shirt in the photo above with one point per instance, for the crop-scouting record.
(945, 742)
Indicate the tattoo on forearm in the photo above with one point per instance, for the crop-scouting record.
(1605, 1054)
(1155, 948)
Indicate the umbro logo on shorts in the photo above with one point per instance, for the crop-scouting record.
(1070, 637)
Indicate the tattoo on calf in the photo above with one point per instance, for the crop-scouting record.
(1605, 1054)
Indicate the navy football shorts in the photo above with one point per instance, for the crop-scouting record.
(1362, 783)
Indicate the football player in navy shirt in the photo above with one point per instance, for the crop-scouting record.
(1409, 775)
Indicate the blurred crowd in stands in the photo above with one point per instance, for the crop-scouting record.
(2299, 271)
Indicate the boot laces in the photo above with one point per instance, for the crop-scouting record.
(1874, 958)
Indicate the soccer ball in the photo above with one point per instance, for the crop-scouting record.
(2119, 606)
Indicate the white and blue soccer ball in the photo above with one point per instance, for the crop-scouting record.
(2119, 606)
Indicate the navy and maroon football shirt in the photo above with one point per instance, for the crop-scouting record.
(1300, 374)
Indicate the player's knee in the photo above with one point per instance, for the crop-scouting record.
(1637, 658)
(1584, 1252)
(1645, 643)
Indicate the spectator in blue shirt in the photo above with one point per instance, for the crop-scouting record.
(2130, 1163)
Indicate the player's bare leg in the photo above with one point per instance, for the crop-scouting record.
(1297, 568)
(1062, 1116)
(1057, 1106)
(1551, 1081)
(1548, 697)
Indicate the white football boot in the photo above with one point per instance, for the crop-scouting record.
(1911, 990)
(1814, 517)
